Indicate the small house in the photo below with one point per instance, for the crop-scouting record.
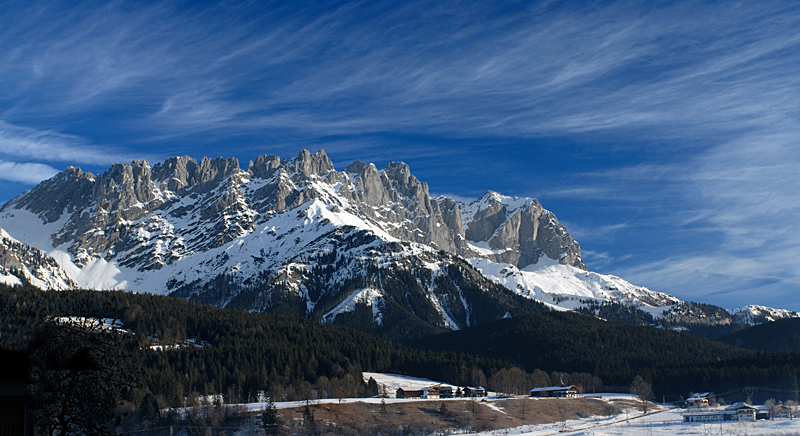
(446, 391)
(744, 411)
(781, 412)
(697, 401)
(430, 393)
(555, 392)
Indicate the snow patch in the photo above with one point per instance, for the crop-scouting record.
(371, 297)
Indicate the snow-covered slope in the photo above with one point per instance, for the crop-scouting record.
(566, 287)
(753, 314)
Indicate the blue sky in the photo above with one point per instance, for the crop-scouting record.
(665, 135)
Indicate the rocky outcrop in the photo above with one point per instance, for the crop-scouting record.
(519, 231)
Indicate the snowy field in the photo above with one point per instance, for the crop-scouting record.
(393, 381)
(660, 423)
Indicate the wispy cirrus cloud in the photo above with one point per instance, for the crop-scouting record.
(25, 143)
(362, 68)
(744, 195)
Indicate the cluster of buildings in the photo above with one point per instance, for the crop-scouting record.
(699, 411)
(443, 391)
(440, 391)
(570, 391)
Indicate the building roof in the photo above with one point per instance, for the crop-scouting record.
(740, 405)
(699, 396)
(553, 388)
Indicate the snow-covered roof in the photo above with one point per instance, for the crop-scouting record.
(553, 388)
(739, 405)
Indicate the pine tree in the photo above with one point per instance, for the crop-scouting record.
(309, 423)
(269, 418)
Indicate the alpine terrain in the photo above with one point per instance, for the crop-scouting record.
(365, 247)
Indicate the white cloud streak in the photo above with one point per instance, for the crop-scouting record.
(28, 173)
(31, 144)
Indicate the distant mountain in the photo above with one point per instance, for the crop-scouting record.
(754, 315)
(364, 247)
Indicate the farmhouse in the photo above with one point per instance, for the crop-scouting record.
(555, 392)
(782, 412)
(697, 400)
(744, 411)
(431, 393)
(446, 391)
(734, 412)
(711, 416)
(470, 391)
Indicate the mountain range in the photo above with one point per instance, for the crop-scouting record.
(364, 247)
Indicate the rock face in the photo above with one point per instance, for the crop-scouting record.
(519, 231)
(153, 214)
(296, 236)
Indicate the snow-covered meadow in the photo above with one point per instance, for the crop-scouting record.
(659, 423)
(631, 422)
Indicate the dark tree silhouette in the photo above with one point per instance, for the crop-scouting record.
(269, 418)
(78, 375)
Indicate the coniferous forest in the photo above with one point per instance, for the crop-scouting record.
(174, 351)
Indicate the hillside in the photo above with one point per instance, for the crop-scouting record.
(188, 347)
(676, 363)
(780, 335)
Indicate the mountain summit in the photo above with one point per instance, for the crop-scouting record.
(296, 236)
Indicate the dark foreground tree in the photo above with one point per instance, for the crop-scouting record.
(80, 371)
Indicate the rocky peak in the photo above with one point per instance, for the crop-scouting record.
(264, 166)
(519, 230)
(317, 164)
(212, 171)
(175, 173)
(124, 187)
(367, 182)
(408, 186)
(67, 191)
